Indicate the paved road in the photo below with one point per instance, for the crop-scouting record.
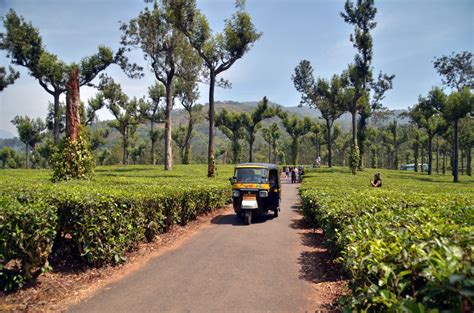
(227, 267)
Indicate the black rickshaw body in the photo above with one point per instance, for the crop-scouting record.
(256, 189)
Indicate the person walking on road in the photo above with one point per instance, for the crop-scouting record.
(287, 173)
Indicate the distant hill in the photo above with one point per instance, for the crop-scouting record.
(5, 134)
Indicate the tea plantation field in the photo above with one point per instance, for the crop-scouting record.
(96, 221)
(407, 246)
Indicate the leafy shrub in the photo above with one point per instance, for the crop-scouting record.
(404, 251)
(99, 220)
(73, 159)
(27, 231)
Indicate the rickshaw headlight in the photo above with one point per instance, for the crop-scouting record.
(235, 193)
(263, 194)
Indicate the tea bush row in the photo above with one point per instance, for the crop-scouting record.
(27, 232)
(94, 222)
(403, 251)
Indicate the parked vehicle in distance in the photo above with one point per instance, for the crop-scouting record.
(411, 167)
(255, 190)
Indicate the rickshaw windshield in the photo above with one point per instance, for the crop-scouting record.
(252, 175)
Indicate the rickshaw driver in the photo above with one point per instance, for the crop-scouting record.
(272, 181)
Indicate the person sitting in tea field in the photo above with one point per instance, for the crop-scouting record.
(377, 182)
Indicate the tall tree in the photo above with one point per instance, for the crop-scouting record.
(377, 94)
(323, 94)
(458, 105)
(395, 137)
(267, 137)
(125, 111)
(7, 78)
(314, 136)
(169, 52)
(296, 128)
(456, 69)
(187, 93)
(253, 122)
(275, 135)
(179, 137)
(23, 43)
(218, 52)
(427, 114)
(152, 111)
(6, 154)
(230, 123)
(466, 141)
(30, 132)
(271, 135)
(362, 15)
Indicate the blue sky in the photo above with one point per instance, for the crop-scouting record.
(408, 36)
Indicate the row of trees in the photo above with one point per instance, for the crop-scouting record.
(359, 93)
(180, 48)
(390, 144)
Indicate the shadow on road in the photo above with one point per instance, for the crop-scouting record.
(317, 262)
(232, 219)
(317, 265)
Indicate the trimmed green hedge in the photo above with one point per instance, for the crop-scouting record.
(98, 221)
(27, 231)
(404, 251)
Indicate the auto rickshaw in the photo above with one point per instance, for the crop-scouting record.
(255, 190)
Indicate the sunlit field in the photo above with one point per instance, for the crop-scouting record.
(408, 245)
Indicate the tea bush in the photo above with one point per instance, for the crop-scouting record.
(408, 246)
(27, 231)
(99, 220)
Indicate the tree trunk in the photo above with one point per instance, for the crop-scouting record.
(354, 128)
(329, 143)
(437, 154)
(125, 146)
(444, 163)
(57, 117)
(187, 142)
(210, 152)
(152, 136)
(73, 119)
(27, 156)
(274, 152)
(269, 152)
(415, 155)
(462, 161)
(430, 153)
(456, 148)
(468, 161)
(235, 149)
(395, 159)
(361, 138)
(294, 151)
(251, 142)
(168, 142)
(422, 158)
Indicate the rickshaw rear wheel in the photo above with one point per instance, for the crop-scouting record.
(275, 212)
(247, 217)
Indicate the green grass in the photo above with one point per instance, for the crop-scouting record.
(408, 246)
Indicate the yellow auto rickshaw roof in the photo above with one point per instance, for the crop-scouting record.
(257, 165)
